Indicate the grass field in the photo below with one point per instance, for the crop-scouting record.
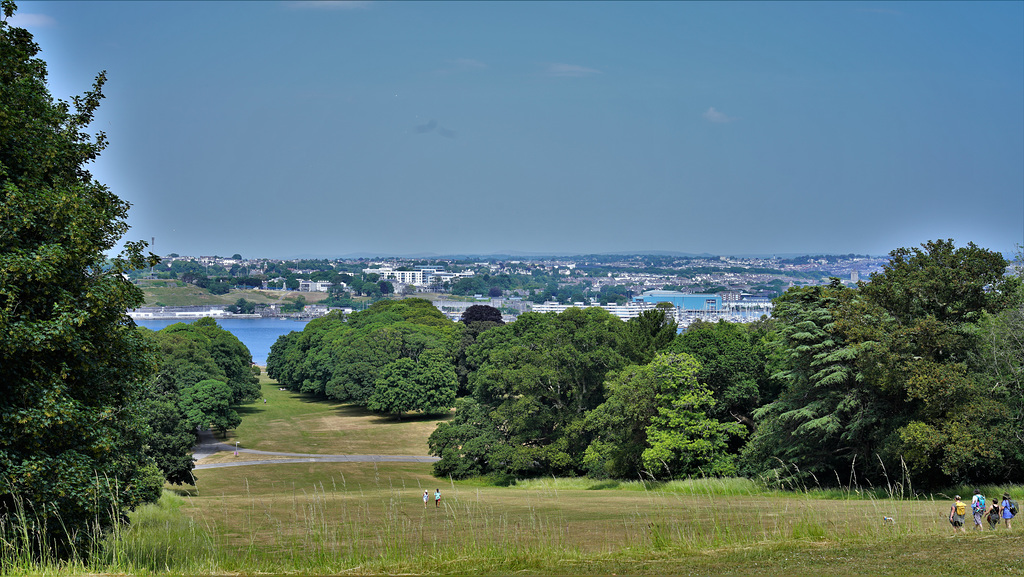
(366, 518)
(173, 293)
(295, 422)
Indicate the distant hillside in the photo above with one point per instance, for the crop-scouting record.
(176, 294)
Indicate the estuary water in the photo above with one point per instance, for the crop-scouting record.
(256, 334)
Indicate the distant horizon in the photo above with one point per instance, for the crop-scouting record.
(539, 255)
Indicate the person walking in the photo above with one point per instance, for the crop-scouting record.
(426, 498)
(977, 508)
(993, 514)
(1007, 512)
(437, 498)
(956, 515)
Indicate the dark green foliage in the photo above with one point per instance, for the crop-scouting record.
(953, 285)
(72, 367)
(888, 379)
(649, 332)
(207, 404)
(733, 363)
(184, 361)
(343, 358)
(233, 357)
(535, 379)
(655, 424)
(171, 439)
(477, 319)
(427, 384)
(467, 443)
(481, 313)
(925, 347)
(1002, 360)
(241, 306)
(191, 354)
(824, 420)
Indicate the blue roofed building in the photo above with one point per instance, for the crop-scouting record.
(683, 301)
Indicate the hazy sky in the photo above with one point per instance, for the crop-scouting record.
(279, 129)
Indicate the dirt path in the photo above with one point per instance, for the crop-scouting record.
(208, 445)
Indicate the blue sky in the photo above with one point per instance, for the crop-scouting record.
(279, 129)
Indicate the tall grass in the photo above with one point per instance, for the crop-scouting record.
(537, 526)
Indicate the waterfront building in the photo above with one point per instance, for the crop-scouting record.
(683, 301)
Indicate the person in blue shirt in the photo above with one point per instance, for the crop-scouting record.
(1005, 507)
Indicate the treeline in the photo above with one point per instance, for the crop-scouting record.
(914, 375)
(202, 373)
(394, 357)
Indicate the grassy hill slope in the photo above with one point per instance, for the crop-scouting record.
(174, 293)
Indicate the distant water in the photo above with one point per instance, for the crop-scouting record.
(256, 334)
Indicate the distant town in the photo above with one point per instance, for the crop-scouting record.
(706, 288)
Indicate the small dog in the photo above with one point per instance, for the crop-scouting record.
(888, 520)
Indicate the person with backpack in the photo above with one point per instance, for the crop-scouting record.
(993, 514)
(956, 515)
(1009, 508)
(977, 508)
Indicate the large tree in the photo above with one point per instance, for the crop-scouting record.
(427, 384)
(233, 357)
(825, 420)
(890, 380)
(733, 361)
(915, 328)
(655, 423)
(73, 368)
(534, 380)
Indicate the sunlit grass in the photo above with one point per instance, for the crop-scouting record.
(370, 519)
(291, 421)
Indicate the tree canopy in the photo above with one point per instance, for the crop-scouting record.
(183, 397)
(73, 369)
(359, 358)
(887, 377)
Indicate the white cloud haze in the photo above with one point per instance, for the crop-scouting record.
(571, 70)
(715, 116)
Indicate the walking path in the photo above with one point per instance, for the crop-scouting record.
(208, 445)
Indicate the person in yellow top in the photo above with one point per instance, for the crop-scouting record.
(956, 515)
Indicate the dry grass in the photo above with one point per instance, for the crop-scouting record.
(296, 422)
(169, 293)
(375, 514)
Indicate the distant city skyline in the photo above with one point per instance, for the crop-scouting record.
(284, 129)
(525, 256)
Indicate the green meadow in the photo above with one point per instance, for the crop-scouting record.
(369, 518)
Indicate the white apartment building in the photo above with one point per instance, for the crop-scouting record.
(624, 312)
(313, 286)
(422, 276)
